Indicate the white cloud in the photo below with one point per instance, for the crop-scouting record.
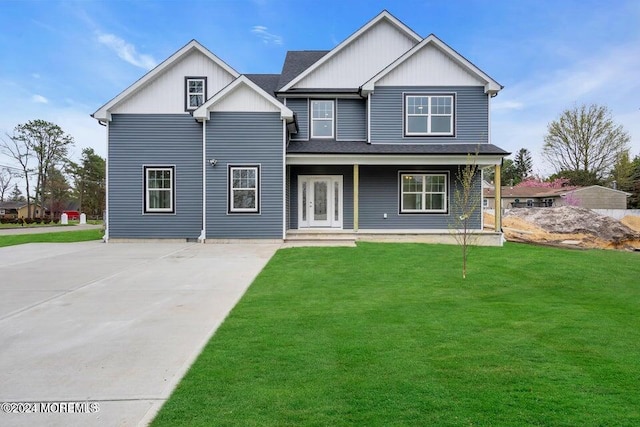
(126, 51)
(39, 99)
(267, 37)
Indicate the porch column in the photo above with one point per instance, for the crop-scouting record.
(356, 179)
(498, 198)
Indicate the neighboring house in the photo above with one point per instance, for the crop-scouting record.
(365, 138)
(591, 197)
(11, 210)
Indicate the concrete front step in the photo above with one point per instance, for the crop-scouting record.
(319, 239)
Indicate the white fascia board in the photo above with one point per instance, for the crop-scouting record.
(103, 113)
(383, 15)
(202, 112)
(491, 85)
(375, 159)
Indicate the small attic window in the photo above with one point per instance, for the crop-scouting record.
(195, 92)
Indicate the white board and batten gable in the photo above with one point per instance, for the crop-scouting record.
(162, 90)
(242, 95)
(359, 57)
(432, 63)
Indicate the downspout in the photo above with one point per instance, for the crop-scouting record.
(105, 238)
(369, 118)
(203, 232)
(284, 179)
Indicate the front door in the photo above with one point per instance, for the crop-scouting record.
(320, 201)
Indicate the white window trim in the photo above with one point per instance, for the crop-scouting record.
(445, 209)
(429, 96)
(231, 210)
(172, 190)
(333, 119)
(189, 107)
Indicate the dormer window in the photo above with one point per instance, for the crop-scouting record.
(195, 92)
(322, 119)
(430, 115)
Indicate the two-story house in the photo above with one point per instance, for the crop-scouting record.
(365, 139)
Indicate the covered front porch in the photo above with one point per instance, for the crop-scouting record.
(341, 198)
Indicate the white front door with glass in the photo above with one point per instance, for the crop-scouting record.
(320, 201)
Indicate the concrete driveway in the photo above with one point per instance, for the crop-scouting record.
(115, 325)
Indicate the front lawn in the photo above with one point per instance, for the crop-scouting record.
(389, 334)
(57, 237)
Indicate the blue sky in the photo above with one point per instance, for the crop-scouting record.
(61, 60)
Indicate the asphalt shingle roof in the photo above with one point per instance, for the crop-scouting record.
(267, 82)
(360, 147)
(296, 62)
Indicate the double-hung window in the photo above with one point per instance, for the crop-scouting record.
(429, 115)
(159, 189)
(244, 189)
(423, 193)
(195, 91)
(322, 118)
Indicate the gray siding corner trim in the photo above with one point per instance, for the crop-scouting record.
(471, 116)
(249, 139)
(138, 140)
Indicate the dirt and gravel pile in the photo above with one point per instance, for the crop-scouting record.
(570, 226)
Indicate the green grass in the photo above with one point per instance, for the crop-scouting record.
(57, 237)
(389, 334)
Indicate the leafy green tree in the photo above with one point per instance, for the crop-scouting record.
(523, 164)
(622, 173)
(58, 192)
(90, 183)
(508, 173)
(584, 142)
(634, 200)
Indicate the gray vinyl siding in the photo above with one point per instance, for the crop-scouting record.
(138, 140)
(300, 106)
(351, 120)
(380, 194)
(245, 139)
(347, 191)
(471, 115)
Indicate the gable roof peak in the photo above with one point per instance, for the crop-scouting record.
(103, 113)
(491, 86)
(202, 112)
(385, 15)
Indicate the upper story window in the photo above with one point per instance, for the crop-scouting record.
(322, 119)
(429, 115)
(159, 185)
(196, 92)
